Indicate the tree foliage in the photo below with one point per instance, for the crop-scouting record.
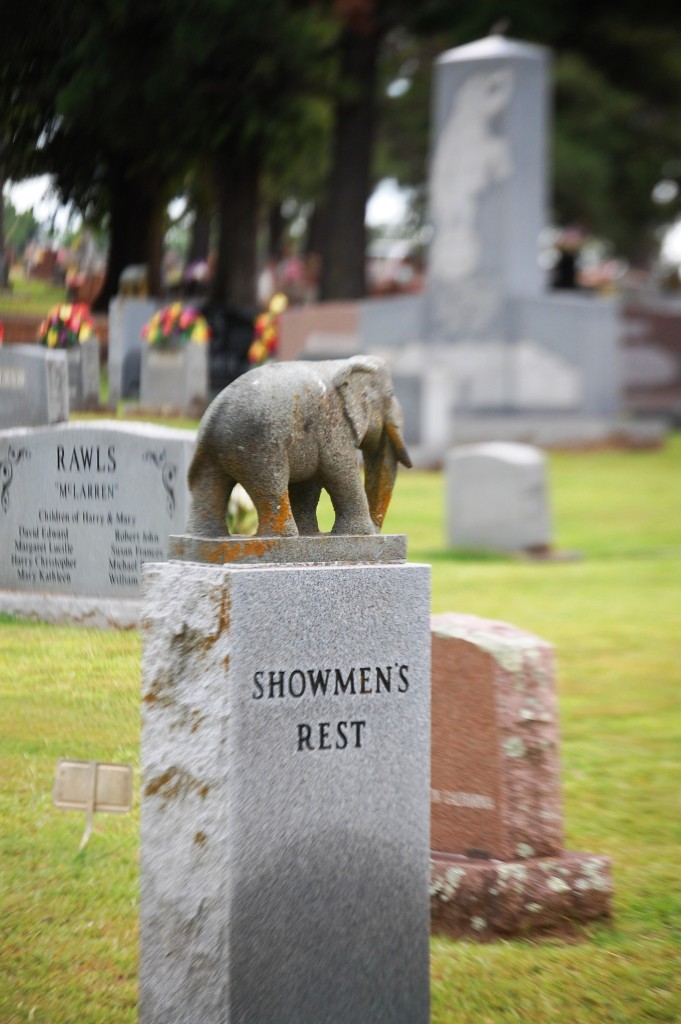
(20, 228)
(616, 111)
(271, 99)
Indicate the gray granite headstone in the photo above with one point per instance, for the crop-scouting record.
(285, 792)
(497, 497)
(176, 377)
(127, 317)
(33, 386)
(83, 505)
(488, 184)
(83, 367)
(426, 398)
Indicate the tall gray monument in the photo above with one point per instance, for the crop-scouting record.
(286, 724)
(486, 351)
(498, 344)
(488, 184)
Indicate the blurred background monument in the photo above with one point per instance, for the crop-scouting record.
(488, 351)
(487, 186)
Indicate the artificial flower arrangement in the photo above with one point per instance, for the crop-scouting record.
(266, 326)
(176, 325)
(66, 325)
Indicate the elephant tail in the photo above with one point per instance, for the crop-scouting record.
(200, 460)
(193, 470)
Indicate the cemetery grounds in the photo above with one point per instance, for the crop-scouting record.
(68, 920)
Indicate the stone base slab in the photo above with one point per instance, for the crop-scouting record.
(555, 432)
(490, 899)
(325, 549)
(560, 431)
(60, 609)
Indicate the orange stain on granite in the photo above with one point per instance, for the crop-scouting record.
(255, 547)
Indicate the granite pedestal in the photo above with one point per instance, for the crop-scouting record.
(83, 371)
(175, 377)
(285, 760)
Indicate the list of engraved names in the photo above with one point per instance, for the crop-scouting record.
(83, 519)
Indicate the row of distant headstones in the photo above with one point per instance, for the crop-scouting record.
(42, 386)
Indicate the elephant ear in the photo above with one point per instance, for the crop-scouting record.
(352, 383)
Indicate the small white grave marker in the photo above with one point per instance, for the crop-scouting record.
(92, 786)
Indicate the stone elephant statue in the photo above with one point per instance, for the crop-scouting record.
(286, 430)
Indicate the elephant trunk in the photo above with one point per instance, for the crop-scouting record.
(380, 470)
(380, 465)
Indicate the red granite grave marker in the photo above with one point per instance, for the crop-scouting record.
(496, 824)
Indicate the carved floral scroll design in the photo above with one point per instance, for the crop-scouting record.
(14, 455)
(168, 475)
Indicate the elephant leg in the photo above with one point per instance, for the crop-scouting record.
(275, 518)
(269, 492)
(349, 501)
(304, 501)
(211, 489)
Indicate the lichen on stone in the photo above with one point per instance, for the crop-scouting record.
(524, 850)
(514, 747)
(536, 664)
(444, 886)
(593, 877)
(507, 873)
(509, 650)
(533, 712)
(557, 884)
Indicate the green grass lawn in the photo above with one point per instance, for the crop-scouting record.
(68, 920)
(30, 298)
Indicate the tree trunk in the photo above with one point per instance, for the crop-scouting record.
(275, 232)
(199, 241)
(344, 239)
(135, 235)
(4, 269)
(314, 241)
(203, 203)
(237, 174)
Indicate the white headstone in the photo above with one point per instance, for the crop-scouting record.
(497, 497)
(83, 505)
(175, 377)
(127, 317)
(33, 386)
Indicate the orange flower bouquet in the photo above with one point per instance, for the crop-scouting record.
(266, 337)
